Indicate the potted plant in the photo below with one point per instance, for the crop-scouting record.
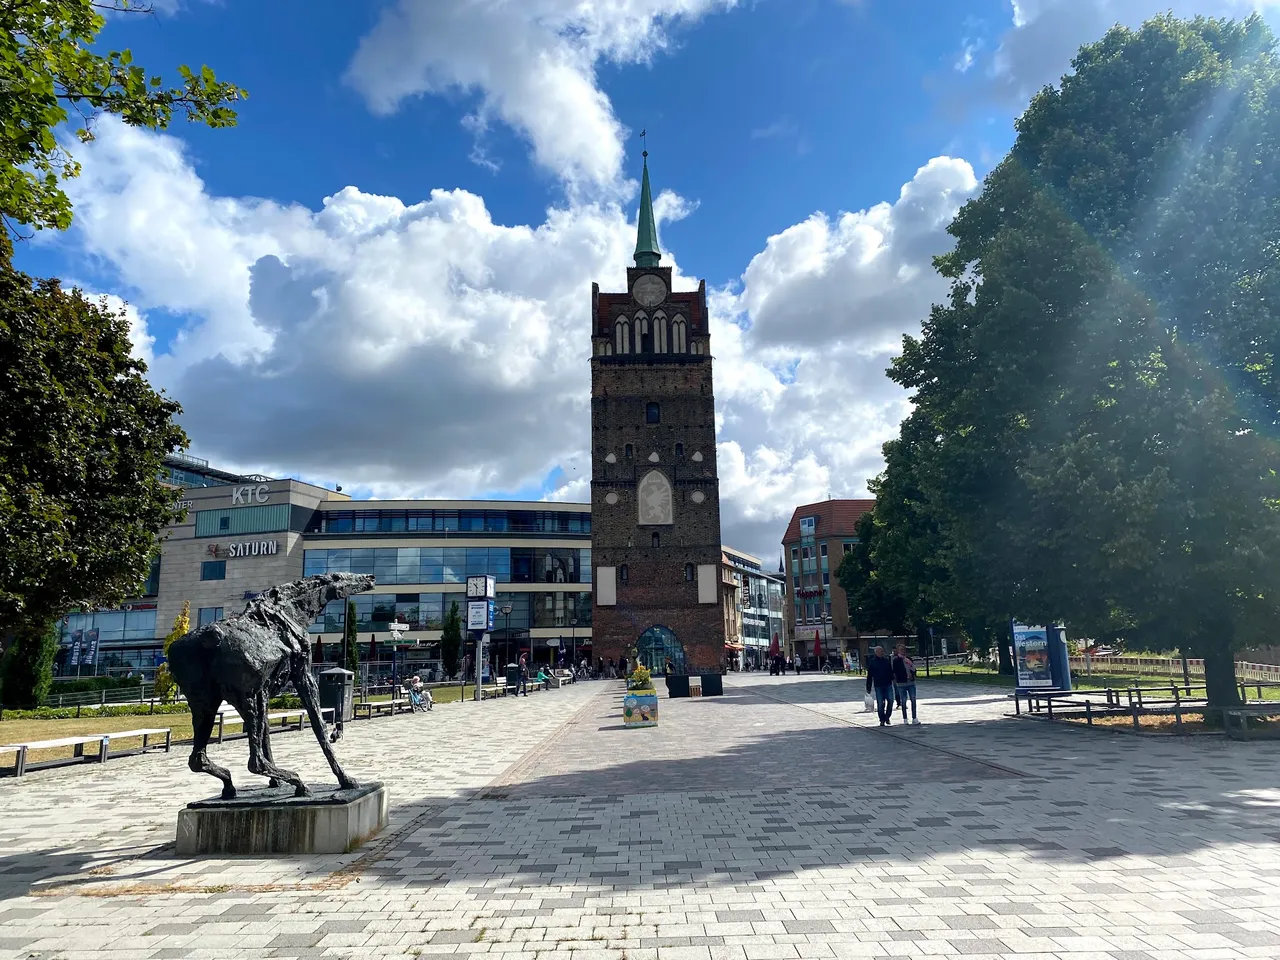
(640, 705)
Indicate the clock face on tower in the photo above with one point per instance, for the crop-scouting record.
(649, 290)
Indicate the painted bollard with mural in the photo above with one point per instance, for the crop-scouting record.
(640, 704)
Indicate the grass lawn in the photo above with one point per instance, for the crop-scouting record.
(23, 731)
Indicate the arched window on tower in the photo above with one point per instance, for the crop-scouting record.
(688, 571)
(657, 540)
(659, 332)
(623, 573)
(642, 334)
(679, 337)
(652, 412)
(622, 336)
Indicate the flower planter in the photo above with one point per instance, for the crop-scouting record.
(640, 708)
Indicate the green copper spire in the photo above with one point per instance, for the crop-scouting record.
(647, 253)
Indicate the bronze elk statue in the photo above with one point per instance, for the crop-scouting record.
(247, 659)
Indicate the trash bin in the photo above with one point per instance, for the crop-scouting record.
(337, 693)
(712, 685)
(513, 676)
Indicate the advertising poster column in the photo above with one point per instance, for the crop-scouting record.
(1031, 656)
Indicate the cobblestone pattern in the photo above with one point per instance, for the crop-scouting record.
(971, 836)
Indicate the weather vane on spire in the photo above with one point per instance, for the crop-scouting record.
(645, 151)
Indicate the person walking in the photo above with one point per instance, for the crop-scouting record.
(904, 682)
(880, 680)
(523, 686)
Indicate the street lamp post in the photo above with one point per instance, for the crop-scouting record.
(573, 638)
(506, 636)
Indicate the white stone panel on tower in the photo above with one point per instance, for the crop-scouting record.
(706, 583)
(654, 495)
(606, 586)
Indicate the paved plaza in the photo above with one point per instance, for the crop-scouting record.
(775, 822)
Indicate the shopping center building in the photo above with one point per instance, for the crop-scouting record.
(243, 534)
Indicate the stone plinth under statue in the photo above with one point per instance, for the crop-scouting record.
(273, 821)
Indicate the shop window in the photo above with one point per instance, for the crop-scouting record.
(213, 570)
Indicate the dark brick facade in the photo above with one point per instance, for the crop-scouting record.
(623, 385)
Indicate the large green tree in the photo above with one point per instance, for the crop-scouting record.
(82, 440)
(874, 601)
(1098, 393)
(49, 68)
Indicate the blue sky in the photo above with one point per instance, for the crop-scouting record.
(395, 245)
(761, 115)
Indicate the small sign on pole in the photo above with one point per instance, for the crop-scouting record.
(480, 614)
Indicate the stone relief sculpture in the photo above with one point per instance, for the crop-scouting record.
(246, 659)
(654, 495)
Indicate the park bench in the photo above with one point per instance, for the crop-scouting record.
(488, 693)
(20, 749)
(289, 719)
(146, 735)
(1235, 721)
(103, 740)
(367, 708)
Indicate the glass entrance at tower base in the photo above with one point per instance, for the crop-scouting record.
(656, 646)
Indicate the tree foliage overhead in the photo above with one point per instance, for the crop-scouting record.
(1093, 438)
(49, 69)
(83, 437)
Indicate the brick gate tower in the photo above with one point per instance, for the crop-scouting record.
(655, 496)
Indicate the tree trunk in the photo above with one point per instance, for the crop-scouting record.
(1220, 674)
(1003, 641)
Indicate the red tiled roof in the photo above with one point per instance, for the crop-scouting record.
(836, 518)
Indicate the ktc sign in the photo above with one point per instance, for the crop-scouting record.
(249, 494)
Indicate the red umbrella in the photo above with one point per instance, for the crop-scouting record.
(774, 649)
(817, 644)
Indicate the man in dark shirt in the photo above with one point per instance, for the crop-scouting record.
(880, 680)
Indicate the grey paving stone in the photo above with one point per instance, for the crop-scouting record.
(768, 823)
(454, 936)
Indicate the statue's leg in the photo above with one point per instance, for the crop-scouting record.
(268, 762)
(202, 720)
(305, 684)
(264, 706)
(255, 723)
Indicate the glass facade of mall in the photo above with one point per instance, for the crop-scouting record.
(415, 565)
(426, 611)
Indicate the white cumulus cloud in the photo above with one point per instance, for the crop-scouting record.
(427, 350)
(532, 64)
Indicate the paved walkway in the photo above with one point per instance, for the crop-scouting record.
(777, 821)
